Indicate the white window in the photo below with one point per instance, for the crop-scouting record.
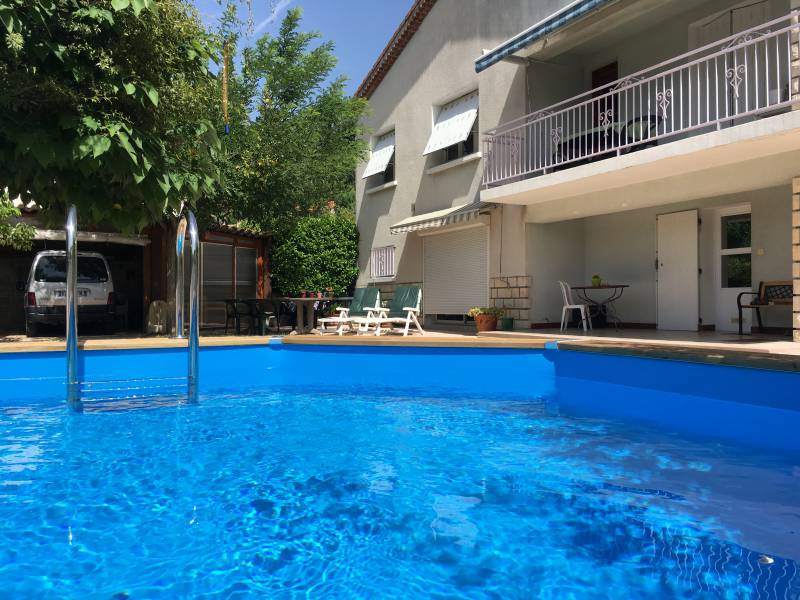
(454, 124)
(736, 254)
(382, 158)
(381, 262)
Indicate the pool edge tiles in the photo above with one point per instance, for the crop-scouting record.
(747, 405)
(28, 375)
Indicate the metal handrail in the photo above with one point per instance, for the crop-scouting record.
(740, 76)
(188, 222)
(180, 242)
(71, 237)
(194, 321)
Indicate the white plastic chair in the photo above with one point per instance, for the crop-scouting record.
(569, 304)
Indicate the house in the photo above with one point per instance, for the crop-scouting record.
(655, 143)
(233, 264)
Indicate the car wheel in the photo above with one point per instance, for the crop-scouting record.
(31, 329)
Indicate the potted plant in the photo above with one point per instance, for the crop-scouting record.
(506, 323)
(485, 317)
(597, 280)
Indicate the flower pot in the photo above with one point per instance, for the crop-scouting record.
(485, 323)
(596, 281)
(506, 323)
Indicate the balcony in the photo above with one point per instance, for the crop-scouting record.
(736, 80)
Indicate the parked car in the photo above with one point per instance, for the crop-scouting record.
(46, 291)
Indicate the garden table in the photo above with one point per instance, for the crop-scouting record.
(602, 309)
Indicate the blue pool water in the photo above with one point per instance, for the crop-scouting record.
(352, 489)
(398, 472)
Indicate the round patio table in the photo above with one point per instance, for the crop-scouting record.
(602, 308)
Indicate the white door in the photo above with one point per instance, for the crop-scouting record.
(677, 260)
(456, 271)
(732, 265)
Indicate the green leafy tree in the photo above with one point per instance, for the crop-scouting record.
(105, 104)
(295, 137)
(18, 236)
(321, 253)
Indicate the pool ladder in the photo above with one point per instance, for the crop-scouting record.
(194, 291)
(71, 239)
(74, 388)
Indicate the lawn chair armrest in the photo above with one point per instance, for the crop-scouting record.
(410, 309)
(741, 294)
(343, 309)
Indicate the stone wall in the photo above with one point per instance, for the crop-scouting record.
(512, 293)
(796, 257)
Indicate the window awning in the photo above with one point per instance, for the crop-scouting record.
(454, 123)
(440, 218)
(381, 155)
(566, 16)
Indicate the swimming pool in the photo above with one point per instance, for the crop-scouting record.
(412, 472)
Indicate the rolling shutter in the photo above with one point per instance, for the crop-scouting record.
(456, 275)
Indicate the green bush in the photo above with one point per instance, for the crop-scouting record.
(321, 253)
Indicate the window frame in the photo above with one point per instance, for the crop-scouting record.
(741, 251)
(461, 149)
(388, 175)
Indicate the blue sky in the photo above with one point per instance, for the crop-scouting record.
(359, 28)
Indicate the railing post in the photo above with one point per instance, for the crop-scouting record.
(71, 238)
(194, 322)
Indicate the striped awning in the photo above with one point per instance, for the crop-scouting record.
(440, 218)
(574, 11)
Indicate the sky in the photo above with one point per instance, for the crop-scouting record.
(359, 28)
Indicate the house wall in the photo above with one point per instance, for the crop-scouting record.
(437, 66)
(571, 74)
(621, 248)
(556, 252)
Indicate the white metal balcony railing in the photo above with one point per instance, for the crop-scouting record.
(745, 75)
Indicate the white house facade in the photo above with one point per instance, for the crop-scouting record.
(652, 143)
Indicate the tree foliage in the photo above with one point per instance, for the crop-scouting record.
(295, 135)
(104, 104)
(16, 235)
(321, 253)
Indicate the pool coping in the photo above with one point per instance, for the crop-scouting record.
(91, 344)
(712, 355)
(705, 354)
(417, 341)
(132, 343)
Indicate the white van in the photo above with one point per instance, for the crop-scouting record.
(46, 291)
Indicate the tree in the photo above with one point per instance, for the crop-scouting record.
(295, 140)
(18, 236)
(321, 253)
(104, 104)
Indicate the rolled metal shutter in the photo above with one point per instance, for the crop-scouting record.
(456, 275)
